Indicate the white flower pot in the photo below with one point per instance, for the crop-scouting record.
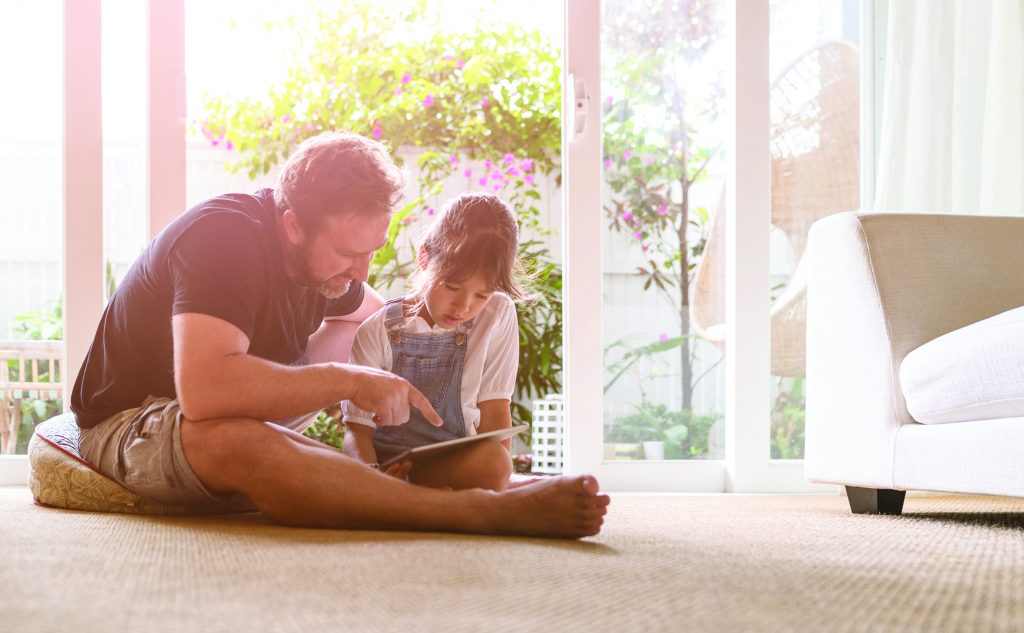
(654, 450)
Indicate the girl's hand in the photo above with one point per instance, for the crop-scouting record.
(399, 470)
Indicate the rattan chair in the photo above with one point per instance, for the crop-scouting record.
(814, 148)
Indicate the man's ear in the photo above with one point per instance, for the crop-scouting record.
(422, 257)
(292, 227)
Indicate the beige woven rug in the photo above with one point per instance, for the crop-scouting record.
(682, 563)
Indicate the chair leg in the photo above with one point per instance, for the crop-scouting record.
(875, 500)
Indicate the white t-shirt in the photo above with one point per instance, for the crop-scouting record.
(491, 363)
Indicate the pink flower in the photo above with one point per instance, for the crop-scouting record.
(648, 161)
(638, 235)
(645, 247)
(608, 163)
(377, 132)
(512, 171)
(627, 154)
(428, 101)
(608, 100)
(398, 90)
(662, 209)
(286, 118)
(406, 78)
(484, 102)
(488, 164)
(509, 158)
(460, 64)
(453, 160)
(498, 186)
(663, 337)
(431, 211)
(528, 179)
(496, 175)
(447, 58)
(526, 164)
(468, 173)
(228, 146)
(627, 216)
(483, 181)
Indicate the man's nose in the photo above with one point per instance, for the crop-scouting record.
(360, 270)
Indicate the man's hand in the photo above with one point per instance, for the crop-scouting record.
(388, 396)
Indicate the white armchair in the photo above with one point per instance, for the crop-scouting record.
(880, 286)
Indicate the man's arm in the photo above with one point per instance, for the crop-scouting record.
(215, 377)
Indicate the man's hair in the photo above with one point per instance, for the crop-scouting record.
(474, 233)
(338, 172)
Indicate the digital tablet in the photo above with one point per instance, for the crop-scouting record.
(429, 451)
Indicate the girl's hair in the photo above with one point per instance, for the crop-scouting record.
(474, 233)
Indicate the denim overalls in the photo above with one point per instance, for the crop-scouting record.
(433, 363)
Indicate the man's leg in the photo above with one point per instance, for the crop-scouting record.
(299, 483)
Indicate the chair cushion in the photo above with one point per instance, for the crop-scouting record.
(61, 478)
(974, 373)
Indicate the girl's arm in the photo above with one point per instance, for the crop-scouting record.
(359, 443)
(494, 415)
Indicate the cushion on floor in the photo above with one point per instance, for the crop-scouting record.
(61, 478)
(973, 373)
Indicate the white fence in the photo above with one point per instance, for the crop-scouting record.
(30, 250)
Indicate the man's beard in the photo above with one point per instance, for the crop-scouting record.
(302, 274)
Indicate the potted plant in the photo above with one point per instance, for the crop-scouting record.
(665, 433)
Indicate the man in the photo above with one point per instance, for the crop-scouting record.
(212, 357)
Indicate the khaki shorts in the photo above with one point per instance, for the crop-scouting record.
(141, 449)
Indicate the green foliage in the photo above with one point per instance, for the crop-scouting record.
(655, 147)
(684, 433)
(327, 429)
(490, 94)
(41, 325)
(788, 422)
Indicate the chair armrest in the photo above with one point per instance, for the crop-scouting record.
(879, 286)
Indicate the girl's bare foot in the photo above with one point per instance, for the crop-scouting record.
(561, 507)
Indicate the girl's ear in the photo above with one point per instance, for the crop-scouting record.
(422, 257)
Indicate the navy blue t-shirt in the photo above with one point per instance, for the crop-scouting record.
(221, 258)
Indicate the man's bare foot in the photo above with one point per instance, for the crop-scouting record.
(561, 507)
(518, 480)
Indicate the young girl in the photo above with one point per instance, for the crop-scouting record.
(455, 337)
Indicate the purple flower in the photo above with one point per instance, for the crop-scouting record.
(526, 164)
(484, 102)
(229, 146)
(460, 64)
(431, 211)
(608, 163)
(447, 58)
(638, 235)
(648, 161)
(398, 90)
(528, 178)
(627, 216)
(286, 118)
(453, 160)
(663, 337)
(608, 100)
(498, 186)
(488, 164)
(377, 132)
(468, 173)
(662, 209)
(509, 158)
(496, 175)
(406, 78)
(483, 181)
(627, 154)
(512, 171)
(428, 101)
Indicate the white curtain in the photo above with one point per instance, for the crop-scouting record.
(952, 134)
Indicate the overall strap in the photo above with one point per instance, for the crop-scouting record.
(394, 313)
